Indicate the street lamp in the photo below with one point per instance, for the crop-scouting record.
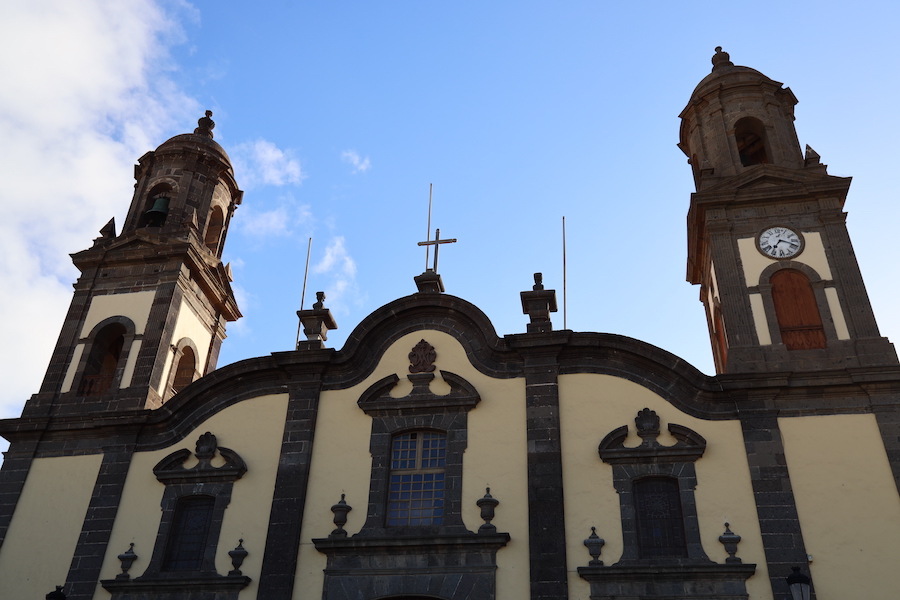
(798, 583)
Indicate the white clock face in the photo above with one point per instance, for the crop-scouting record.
(780, 242)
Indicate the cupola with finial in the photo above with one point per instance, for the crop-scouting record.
(737, 118)
(186, 185)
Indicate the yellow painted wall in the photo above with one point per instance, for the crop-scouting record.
(593, 405)
(133, 354)
(188, 325)
(253, 428)
(496, 456)
(44, 531)
(134, 305)
(848, 504)
(759, 320)
(813, 256)
(837, 313)
(73, 367)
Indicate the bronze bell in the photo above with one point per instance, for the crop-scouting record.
(157, 214)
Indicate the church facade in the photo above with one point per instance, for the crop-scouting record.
(431, 458)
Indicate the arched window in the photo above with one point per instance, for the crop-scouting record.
(100, 370)
(188, 537)
(750, 136)
(184, 372)
(797, 311)
(660, 523)
(416, 491)
(214, 229)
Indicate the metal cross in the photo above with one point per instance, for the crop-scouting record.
(436, 242)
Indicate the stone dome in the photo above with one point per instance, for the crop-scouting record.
(201, 138)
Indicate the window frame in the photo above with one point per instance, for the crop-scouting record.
(650, 459)
(420, 410)
(90, 343)
(408, 504)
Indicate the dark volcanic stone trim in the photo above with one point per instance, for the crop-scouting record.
(699, 581)
(442, 312)
(779, 522)
(84, 571)
(546, 514)
(420, 566)
(16, 464)
(283, 538)
(888, 418)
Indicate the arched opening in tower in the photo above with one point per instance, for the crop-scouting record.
(750, 137)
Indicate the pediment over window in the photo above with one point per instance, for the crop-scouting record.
(377, 400)
(171, 469)
(689, 446)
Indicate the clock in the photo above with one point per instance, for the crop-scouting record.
(780, 242)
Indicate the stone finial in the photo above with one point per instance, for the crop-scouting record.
(730, 540)
(340, 511)
(813, 162)
(56, 595)
(721, 59)
(594, 544)
(205, 125)
(320, 301)
(109, 230)
(538, 303)
(127, 558)
(316, 322)
(237, 558)
(422, 357)
(487, 504)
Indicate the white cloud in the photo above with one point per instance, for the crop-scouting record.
(280, 221)
(352, 157)
(85, 92)
(263, 163)
(340, 268)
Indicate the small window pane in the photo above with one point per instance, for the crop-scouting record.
(416, 496)
(660, 523)
(189, 533)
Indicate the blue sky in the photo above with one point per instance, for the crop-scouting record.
(338, 116)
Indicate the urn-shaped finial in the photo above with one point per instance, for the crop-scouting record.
(487, 504)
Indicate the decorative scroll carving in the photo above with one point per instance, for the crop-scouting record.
(689, 446)
(422, 358)
(171, 468)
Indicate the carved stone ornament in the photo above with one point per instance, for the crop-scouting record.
(594, 544)
(422, 358)
(171, 468)
(730, 540)
(689, 445)
(340, 511)
(237, 558)
(647, 423)
(127, 559)
(487, 504)
(377, 400)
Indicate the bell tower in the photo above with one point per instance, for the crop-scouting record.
(149, 310)
(767, 238)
